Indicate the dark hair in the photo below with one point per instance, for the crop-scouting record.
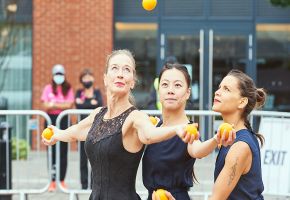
(180, 68)
(84, 73)
(65, 87)
(170, 60)
(256, 97)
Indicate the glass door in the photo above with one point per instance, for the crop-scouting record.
(185, 47)
(209, 55)
(227, 50)
(141, 39)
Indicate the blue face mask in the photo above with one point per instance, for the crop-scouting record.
(58, 79)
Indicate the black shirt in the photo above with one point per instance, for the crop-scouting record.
(168, 165)
(114, 169)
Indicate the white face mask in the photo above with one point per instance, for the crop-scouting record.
(58, 79)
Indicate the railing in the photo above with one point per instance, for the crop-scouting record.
(195, 115)
(72, 182)
(24, 181)
(267, 122)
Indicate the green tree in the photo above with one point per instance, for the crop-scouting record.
(282, 3)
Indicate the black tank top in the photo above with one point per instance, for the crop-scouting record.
(114, 169)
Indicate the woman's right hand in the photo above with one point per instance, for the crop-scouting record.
(222, 140)
(168, 195)
(52, 140)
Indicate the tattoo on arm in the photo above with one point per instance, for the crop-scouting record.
(233, 172)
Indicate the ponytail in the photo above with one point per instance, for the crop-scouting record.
(256, 97)
(194, 179)
(259, 136)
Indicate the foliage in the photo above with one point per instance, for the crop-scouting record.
(282, 3)
(23, 149)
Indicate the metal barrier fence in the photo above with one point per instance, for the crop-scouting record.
(25, 182)
(16, 142)
(72, 177)
(275, 154)
(196, 116)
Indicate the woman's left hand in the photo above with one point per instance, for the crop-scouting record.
(186, 136)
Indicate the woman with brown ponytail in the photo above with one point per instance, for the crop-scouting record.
(238, 167)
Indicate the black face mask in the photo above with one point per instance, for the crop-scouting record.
(88, 84)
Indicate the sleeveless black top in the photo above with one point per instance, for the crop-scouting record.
(113, 167)
(168, 165)
(250, 186)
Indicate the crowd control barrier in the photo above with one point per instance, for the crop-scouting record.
(274, 154)
(24, 168)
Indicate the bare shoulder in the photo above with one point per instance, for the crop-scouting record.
(97, 110)
(137, 115)
(239, 150)
(93, 113)
(131, 120)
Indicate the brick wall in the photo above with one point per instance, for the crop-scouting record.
(75, 33)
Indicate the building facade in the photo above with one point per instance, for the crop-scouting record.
(209, 36)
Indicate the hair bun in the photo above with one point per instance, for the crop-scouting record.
(260, 97)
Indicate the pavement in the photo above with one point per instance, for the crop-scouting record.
(32, 174)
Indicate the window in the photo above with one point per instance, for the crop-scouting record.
(141, 40)
(273, 64)
(16, 64)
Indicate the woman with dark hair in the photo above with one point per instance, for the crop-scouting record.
(169, 164)
(56, 97)
(87, 97)
(115, 135)
(238, 167)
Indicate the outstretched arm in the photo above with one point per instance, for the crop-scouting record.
(149, 134)
(200, 149)
(75, 132)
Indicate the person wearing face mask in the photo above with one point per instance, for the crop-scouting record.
(86, 98)
(56, 97)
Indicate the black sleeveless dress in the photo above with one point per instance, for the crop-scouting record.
(114, 169)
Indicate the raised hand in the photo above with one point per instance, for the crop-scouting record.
(188, 132)
(51, 139)
(226, 135)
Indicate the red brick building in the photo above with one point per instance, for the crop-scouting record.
(75, 33)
